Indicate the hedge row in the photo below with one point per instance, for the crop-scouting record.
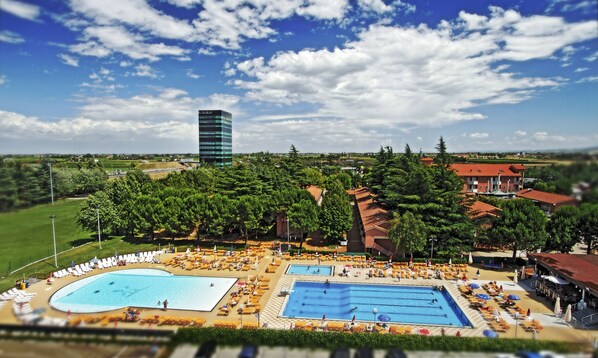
(435, 260)
(332, 340)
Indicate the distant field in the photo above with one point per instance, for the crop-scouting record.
(526, 162)
(26, 235)
(160, 165)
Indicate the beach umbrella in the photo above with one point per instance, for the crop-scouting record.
(450, 262)
(384, 318)
(500, 288)
(490, 333)
(522, 272)
(354, 318)
(324, 317)
(72, 263)
(515, 277)
(557, 306)
(478, 273)
(568, 314)
(483, 296)
(424, 332)
(513, 297)
(470, 261)
(474, 286)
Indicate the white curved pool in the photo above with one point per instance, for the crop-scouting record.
(141, 288)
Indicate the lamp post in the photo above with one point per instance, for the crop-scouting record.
(516, 322)
(374, 311)
(99, 230)
(53, 216)
(54, 238)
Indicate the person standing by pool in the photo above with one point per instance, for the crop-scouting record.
(165, 303)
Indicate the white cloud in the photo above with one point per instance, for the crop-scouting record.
(11, 37)
(581, 69)
(588, 79)
(479, 135)
(101, 41)
(145, 71)
(125, 63)
(392, 75)
(377, 6)
(192, 75)
(185, 3)
(206, 52)
(20, 9)
(68, 60)
(592, 57)
(224, 24)
(520, 133)
(164, 120)
(545, 137)
(2, 79)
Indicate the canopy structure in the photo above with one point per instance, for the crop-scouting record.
(557, 280)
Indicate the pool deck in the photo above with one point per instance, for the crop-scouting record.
(272, 303)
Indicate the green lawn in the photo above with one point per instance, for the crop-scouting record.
(26, 235)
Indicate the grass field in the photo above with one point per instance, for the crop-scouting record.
(26, 235)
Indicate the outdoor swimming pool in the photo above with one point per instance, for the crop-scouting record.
(403, 304)
(317, 270)
(141, 288)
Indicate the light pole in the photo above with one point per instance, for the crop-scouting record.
(432, 249)
(54, 237)
(374, 311)
(516, 322)
(99, 231)
(53, 216)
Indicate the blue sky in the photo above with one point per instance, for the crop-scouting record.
(87, 76)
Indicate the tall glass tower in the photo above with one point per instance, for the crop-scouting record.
(215, 137)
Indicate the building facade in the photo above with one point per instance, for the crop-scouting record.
(490, 179)
(215, 137)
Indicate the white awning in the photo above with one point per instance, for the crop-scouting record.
(557, 280)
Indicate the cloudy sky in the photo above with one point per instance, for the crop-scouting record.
(116, 76)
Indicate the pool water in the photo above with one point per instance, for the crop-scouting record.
(141, 288)
(317, 270)
(403, 304)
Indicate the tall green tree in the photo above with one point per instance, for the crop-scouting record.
(521, 225)
(148, 212)
(408, 233)
(336, 214)
(98, 203)
(219, 215)
(251, 211)
(303, 216)
(563, 229)
(588, 226)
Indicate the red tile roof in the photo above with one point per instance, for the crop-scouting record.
(487, 170)
(581, 270)
(480, 209)
(544, 197)
(315, 192)
(373, 216)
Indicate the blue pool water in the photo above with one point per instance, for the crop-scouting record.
(318, 270)
(403, 304)
(141, 288)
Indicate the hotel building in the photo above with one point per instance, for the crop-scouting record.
(215, 137)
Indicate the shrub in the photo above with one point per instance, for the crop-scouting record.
(331, 340)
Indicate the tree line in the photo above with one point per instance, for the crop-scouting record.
(25, 184)
(214, 203)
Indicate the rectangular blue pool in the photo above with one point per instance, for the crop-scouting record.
(403, 304)
(316, 270)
